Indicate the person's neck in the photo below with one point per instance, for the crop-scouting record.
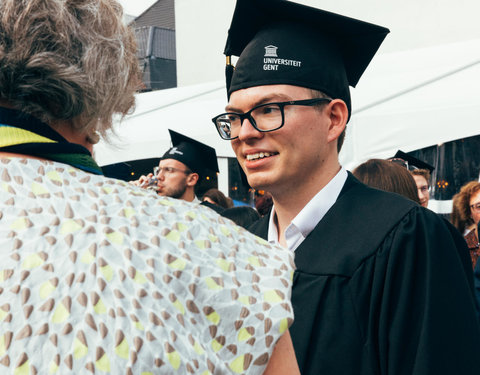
(189, 195)
(288, 204)
(66, 129)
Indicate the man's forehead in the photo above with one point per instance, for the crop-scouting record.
(267, 93)
(420, 179)
(171, 163)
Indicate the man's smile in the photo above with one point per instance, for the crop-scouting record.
(260, 155)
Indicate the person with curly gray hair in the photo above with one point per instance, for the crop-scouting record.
(97, 275)
(466, 216)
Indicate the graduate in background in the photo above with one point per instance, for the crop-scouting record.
(181, 168)
(420, 171)
(379, 286)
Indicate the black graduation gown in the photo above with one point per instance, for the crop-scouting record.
(381, 288)
(214, 207)
(476, 273)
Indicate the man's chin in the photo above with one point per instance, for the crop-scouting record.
(258, 182)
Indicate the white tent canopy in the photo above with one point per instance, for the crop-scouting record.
(415, 99)
(144, 133)
(405, 100)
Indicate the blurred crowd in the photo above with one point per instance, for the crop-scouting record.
(328, 272)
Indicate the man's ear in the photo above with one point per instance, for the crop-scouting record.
(192, 179)
(338, 113)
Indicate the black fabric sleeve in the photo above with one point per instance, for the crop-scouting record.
(476, 279)
(421, 310)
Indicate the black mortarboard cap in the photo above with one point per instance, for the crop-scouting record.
(412, 161)
(197, 156)
(282, 42)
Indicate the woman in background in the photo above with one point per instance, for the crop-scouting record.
(96, 275)
(466, 216)
(215, 196)
(385, 175)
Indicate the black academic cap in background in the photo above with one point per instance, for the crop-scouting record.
(282, 42)
(411, 162)
(197, 156)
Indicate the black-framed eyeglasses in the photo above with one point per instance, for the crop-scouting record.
(475, 207)
(265, 117)
(168, 170)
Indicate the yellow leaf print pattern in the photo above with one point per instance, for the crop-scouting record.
(103, 364)
(70, 226)
(61, 314)
(38, 189)
(19, 224)
(32, 261)
(23, 369)
(122, 349)
(46, 289)
(79, 349)
(54, 176)
(107, 272)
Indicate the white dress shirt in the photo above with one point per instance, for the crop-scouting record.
(310, 215)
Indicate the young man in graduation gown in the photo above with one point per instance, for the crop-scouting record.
(380, 285)
(181, 169)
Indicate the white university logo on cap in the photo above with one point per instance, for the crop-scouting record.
(175, 150)
(271, 51)
(271, 60)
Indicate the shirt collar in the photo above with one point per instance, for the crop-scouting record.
(314, 211)
(196, 200)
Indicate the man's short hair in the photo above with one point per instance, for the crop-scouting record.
(425, 173)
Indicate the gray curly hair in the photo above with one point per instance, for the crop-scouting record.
(68, 60)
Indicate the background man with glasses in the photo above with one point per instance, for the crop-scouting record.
(420, 171)
(379, 286)
(181, 168)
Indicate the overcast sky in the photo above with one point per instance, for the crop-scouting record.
(135, 7)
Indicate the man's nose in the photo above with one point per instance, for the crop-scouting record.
(247, 130)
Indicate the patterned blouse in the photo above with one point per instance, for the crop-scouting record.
(98, 276)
